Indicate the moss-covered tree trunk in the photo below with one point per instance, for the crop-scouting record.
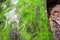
(33, 21)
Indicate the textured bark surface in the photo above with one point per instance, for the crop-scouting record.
(55, 21)
(53, 10)
(15, 35)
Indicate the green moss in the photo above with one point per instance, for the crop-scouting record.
(33, 16)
